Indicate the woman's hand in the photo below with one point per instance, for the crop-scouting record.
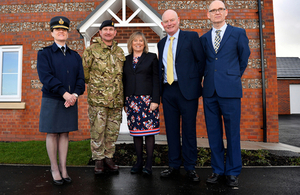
(153, 106)
(70, 99)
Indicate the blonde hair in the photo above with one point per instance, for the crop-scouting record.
(132, 37)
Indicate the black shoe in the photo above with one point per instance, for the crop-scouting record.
(214, 178)
(58, 182)
(146, 172)
(192, 175)
(232, 180)
(135, 170)
(68, 179)
(170, 172)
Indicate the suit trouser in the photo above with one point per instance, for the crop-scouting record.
(230, 108)
(105, 127)
(174, 107)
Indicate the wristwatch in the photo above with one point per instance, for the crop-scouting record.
(75, 95)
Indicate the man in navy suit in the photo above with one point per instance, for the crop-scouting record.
(180, 96)
(227, 52)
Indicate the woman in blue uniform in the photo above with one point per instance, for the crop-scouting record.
(61, 73)
(141, 91)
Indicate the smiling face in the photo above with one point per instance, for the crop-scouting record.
(60, 35)
(108, 34)
(170, 22)
(138, 44)
(217, 13)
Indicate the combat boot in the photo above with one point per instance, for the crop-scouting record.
(111, 165)
(99, 168)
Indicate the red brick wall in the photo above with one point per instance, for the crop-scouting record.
(21, 125)
(284, 95)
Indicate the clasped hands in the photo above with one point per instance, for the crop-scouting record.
(70, 99)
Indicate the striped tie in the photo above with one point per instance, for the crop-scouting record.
(217, 40)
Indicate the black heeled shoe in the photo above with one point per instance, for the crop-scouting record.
(135, 170)
(68, 179)
(146, 172)
(57, 182)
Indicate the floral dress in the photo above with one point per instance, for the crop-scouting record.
(141, 120)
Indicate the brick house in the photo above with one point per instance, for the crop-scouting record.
(288, 75)
(24, 29)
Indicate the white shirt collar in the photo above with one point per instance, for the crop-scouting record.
(223, 28)
(175, 35)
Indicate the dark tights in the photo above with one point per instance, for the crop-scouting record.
(138, 144)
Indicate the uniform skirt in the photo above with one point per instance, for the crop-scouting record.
(140, 120)
(56, 118)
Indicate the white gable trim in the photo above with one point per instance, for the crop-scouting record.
(108, 9)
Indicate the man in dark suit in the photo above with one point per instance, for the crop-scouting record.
(227, 52)
(180, 88)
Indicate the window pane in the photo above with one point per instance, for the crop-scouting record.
(9, 84)
(10, 62)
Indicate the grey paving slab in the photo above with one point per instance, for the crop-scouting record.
(289, 129)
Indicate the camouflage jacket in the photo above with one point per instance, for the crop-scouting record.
(103, 69)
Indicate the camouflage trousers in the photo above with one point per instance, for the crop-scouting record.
(105, 126)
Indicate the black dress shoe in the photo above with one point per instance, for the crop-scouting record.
(214, 178)
(146, 172)
(58, 182)
(170, 172)
(135, 170)
(232, 180)
(192, 175)
(67, 179)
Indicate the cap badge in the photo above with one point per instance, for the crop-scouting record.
(112, 23)
(61, 21)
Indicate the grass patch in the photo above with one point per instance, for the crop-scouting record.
(34, 152)
(29, 152)
(79, 153)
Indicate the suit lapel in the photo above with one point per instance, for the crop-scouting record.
(161, 47)
(209, 40)
(180, 42)
(140, 60)
(129, 63)
(225, 36)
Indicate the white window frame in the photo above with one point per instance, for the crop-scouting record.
(12, 48)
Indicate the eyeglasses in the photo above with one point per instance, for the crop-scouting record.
(217, 10)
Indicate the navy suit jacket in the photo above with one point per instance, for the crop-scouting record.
(189, 63)
(223, 71)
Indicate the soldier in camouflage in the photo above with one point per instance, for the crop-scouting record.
(103, 67)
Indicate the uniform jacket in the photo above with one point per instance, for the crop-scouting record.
(143, 80)
(189, 63)
(60, 73)
(223, 71)
(103, 70)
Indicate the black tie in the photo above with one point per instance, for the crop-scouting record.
(63, 50)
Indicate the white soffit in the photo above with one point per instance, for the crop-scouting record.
(108, 10)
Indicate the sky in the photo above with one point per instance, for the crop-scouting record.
(287, 27)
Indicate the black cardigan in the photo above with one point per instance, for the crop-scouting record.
(144, 79)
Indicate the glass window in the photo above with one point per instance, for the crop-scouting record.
(10, 73)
